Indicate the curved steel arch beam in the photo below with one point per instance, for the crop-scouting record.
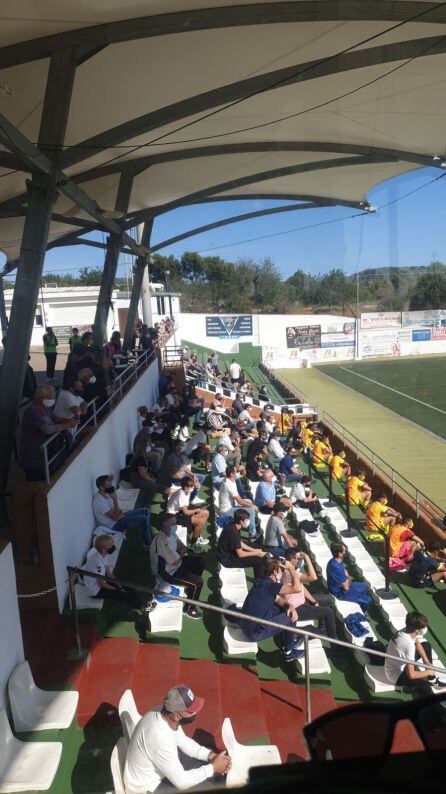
(233, 219)
(279, 78)
(217, 17)
(252, 179)
(322, 201)
(141, 164)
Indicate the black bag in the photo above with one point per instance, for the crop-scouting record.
(375, 645)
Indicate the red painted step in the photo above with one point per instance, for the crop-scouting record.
(156, 670)
(110, 673)
(202, 676)
(241, 701)
(55, 666)
(284, 707)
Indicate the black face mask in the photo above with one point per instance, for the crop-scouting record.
(111, 550)
(188, 720)
(110, 489)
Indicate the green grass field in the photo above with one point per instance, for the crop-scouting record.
(414, 388)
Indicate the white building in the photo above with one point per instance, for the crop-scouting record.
(65, 307)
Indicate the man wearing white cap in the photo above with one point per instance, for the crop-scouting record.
(153, 753)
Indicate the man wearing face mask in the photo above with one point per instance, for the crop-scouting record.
(340, 583)
(100, 588)
(39, 421)
(169, 560)
(410, 644)
(70, 402)
(232, 552)
(218, 470)
(108, 514)
(159, 750)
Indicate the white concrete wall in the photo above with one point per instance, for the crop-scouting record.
(69, 500)
(11, 645)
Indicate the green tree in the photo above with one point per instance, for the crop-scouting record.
(301, 286)
(333, 288)
(90, 276)
(269, 292)
(429, 292)
(192, 268)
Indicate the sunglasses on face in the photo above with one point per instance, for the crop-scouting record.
(366, 731)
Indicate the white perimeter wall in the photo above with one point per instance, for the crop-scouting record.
(69, 500)
(11, 644)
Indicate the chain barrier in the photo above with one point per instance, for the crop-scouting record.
(35, 595)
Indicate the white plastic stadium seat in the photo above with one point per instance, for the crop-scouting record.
(117, 764)
(35, 709)
(128, 714)
(26, 765)
(234, 594)
(232, 576)
(318, 659)
(236, 642)
(376, 678)
(83, 600)
(167, 616)
(244, 757)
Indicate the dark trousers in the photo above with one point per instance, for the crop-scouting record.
(256, 563)
(324, 614)
(313, 507)
(188, 575)
(419, 687)
(50, 364)
(257, 632)
(135, 600)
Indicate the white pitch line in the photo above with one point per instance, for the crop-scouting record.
(401, 393)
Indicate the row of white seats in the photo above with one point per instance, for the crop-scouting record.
(32, 765)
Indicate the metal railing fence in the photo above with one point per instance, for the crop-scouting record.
(231, 613)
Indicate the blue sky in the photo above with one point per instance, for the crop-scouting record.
(410, 232)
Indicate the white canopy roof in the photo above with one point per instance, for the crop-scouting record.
(205, 98)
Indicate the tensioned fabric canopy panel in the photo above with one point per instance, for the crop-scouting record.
(200, 99)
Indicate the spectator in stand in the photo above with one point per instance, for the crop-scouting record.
(70, 403)
(308, 435)
(234, 371)
(229, 500)
(75, 339)
(232, 444)
(169, 560)
(305, 497)
(238, 405)
(209, 370)
(245, 421)
(409, 643)
(288, 468)
(50, 344)
(232, 552)
(97, 588)
(403, 541)
(340, 469)
(157, 741)
(198, 449)
(340, 583)
(428, 567)
(142, 474)
(215, 361)
(145, 339)
(277, 539)
(39, 421)
(263, 394)
(193, 518)
(169, 326)
(266, 496)
(217, 421)
(30, 382)
(254, 468)
(218, 469)
(322, 452)
(275, 449)
(95, 388)
(359, 491)
(142, 445)
(267, 600)
(107, 512)
(177, 469)
(287, 422)
(113, 348)
(191, 405)
(309, 606)
(257, 447)
(79, 358)
(380, 517)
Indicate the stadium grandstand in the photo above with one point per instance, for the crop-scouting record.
(223, 537)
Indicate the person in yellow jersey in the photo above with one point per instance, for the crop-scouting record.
(359, 491)
(306, 435)
(339, 466)
(322, 451)
(380, 517)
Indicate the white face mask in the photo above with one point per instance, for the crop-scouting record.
(92, 380)
(49, 403)
(422, 633)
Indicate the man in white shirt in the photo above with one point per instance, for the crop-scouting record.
(99, 588)
(218, 470)
(234, 370)
(229, 500)
(168, 560)
(70, 403)
(197, 448)
(153, 753)
(409, 644)
(193, 518)
(107, 512)
(275, 450)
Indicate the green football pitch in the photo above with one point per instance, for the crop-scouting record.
(414, 388)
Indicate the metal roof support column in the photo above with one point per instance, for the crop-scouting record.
(3, 317)
(35, 235)
(138, 276)
(114, 245)
(146, 299)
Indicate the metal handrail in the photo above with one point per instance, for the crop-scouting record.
(130, 373)
(274, 376)
(307, 635)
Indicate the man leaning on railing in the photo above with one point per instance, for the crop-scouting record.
(38, 422)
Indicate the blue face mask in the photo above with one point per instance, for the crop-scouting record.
(173, 529)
